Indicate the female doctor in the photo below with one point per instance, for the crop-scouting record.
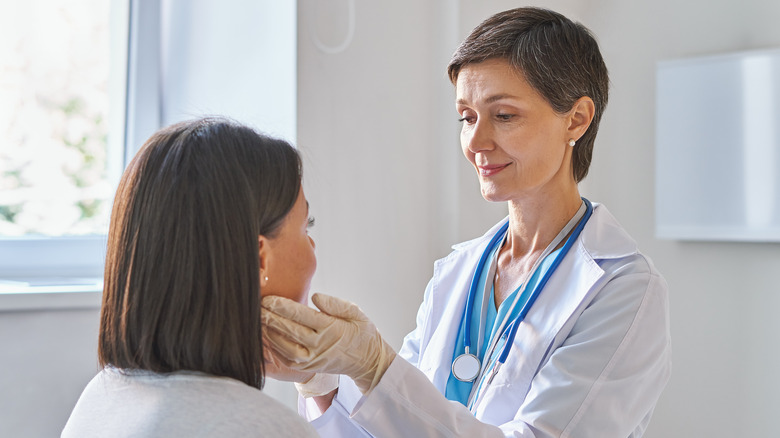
(552, 323)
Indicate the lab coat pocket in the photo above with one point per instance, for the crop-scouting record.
(510, 395)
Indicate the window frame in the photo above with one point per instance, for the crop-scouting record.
(134, 97)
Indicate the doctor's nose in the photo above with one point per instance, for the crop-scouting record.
(477, 138)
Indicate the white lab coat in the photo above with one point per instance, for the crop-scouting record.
(590, 359)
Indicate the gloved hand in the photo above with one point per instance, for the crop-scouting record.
(338, 340)
(307, 383)
(320, 384)
(276, 369)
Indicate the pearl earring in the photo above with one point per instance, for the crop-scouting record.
(266, 278)
(572, 143)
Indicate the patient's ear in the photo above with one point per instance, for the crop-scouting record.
(264, 253)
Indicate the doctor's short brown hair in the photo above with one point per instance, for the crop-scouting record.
(559, 58)
(182, 287)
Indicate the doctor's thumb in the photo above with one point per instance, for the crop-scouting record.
(338, 308)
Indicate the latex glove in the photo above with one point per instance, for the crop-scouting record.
(276, 369)
(338, 340)
(307, 383)
(320, 384)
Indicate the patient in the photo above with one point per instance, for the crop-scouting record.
(209, 216)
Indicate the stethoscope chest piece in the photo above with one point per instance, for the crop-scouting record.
(466, 367)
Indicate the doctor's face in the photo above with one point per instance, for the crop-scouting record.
(511, 135)
(288, 259)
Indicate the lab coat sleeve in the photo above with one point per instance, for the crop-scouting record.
(336, 420)
(405, 403)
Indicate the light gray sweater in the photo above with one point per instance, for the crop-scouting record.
(145, 404)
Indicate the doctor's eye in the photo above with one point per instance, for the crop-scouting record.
(310, 222)
(468, 119)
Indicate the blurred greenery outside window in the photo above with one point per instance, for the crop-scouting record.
(55, 160)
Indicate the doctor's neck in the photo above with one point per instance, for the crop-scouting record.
(534, 221)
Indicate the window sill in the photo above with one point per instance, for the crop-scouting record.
(50, 294)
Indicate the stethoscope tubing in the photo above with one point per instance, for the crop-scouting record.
(512, 328)
(539, 286)
(475, 283)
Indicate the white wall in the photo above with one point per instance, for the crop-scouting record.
(47, 357)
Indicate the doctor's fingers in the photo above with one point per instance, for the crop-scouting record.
(338, 308)
(284, 349)
(295, 311)
(276, 342)
(327, 357)
(289, 329)
(279, 368)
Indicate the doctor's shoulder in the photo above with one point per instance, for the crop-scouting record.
(629, 283)
(609, 244)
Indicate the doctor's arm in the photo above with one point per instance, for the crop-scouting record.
(343, 341)
(602, 377)
(338, 340)
(331, 415)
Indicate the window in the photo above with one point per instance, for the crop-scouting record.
(62, 69)
(134, 65)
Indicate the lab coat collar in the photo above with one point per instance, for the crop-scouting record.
(602, 237)
(454, 273)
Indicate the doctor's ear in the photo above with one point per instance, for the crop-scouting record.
(580, 116)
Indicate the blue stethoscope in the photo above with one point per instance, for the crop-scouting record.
(467, 366)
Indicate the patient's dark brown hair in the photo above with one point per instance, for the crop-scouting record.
(182, 287)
